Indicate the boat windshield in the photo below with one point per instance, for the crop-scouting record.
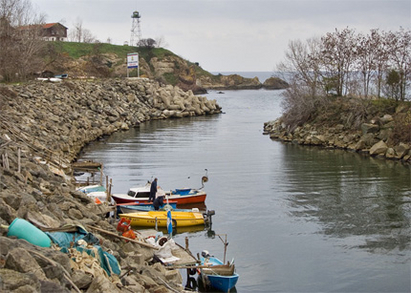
(138, 194)
(131, 193)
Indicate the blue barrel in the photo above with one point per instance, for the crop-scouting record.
(25, 230)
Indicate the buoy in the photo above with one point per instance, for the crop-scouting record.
(25, 230)
(123, 225)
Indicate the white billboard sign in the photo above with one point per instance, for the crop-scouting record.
(132, 60)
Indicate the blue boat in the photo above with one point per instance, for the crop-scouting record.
(94, 191)
(143, 207)
(216, 274)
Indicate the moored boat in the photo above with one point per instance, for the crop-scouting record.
(94, 191)
(128, 208)
(216, 273)
(159, 218)
(142, 193)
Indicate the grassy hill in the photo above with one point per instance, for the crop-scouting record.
(113, 57)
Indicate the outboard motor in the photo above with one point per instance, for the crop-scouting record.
(207, 216)
(205, 254)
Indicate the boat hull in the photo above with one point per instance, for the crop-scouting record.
(149, 219)
(143, 207)
(223, 283)
(180, 199)
(94, 191)
(218, 275)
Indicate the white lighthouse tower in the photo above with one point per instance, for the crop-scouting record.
(135, 29)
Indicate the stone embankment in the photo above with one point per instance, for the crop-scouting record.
(373, 138)
(43, 128)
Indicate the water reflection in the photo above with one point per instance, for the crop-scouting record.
(155, 146)
(183, 230)
(299, 219)
(334, 188)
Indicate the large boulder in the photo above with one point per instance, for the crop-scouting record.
(369, 128)
(275, 83)
(401, 150)
(379, 148)
(18, 259)
(14, 281)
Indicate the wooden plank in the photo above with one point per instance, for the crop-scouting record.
(122, 237)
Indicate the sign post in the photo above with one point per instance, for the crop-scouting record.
(132, 62)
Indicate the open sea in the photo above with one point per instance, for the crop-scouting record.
(297, 218)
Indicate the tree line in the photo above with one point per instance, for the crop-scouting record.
(346, 63)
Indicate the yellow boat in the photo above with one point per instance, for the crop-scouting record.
(179, 219)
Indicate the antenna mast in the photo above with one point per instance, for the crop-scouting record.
(135, 29)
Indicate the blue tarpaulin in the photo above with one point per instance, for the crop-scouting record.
(63, 239)
(66, 240)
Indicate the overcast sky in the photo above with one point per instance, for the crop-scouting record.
(227, 35)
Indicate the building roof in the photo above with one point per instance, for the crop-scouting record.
(44, 26)
(49, 25)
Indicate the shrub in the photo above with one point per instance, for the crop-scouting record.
(402, 127)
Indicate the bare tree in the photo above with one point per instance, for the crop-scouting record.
(160, 42)
(368, 51)
(88, 36)
(337, 58)
(80, 34)
(332, 63)
(400, 57)
(21, 39)
(76, 33)
(302, 63)
(301, 70)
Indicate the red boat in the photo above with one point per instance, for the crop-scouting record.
(181, 196)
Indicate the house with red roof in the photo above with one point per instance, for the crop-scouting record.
(54, 32)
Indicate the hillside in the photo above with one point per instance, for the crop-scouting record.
(82, 60)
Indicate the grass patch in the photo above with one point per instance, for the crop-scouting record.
(76, 50)
(170, 78)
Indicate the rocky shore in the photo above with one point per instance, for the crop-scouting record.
(161, 65)
(43, 128)
(237, 82)
(373, 138)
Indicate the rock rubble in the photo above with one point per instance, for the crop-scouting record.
(43, 128)
(373, 138)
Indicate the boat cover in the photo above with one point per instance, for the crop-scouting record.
(65, 240)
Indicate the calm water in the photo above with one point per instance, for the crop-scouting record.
(298, 219)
